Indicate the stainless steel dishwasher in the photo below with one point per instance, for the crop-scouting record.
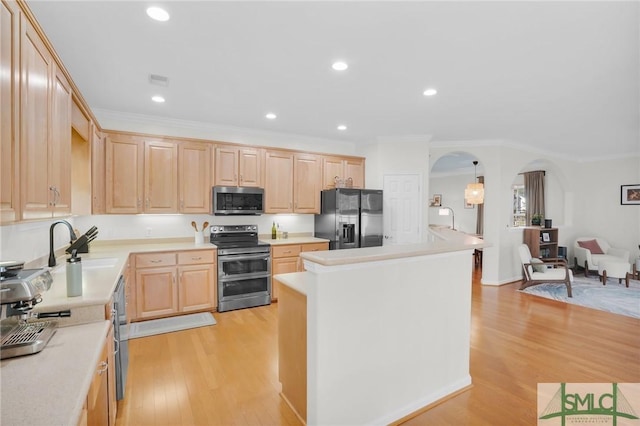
(121, 337)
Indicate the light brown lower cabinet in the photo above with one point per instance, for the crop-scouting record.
(99, 408)
(173, 283)
(286, 259)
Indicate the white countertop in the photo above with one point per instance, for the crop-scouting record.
(295, 280)
(294, 240)
(50, 387)
(444, 241)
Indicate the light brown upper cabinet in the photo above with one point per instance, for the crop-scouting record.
(9, 112)
(292, 182)
(124, 166)
(278, 186)
(238, 166)
(145, 175)
(45, 131)
(342, 168)
(306, 183)
(194, 177)
(160, 177)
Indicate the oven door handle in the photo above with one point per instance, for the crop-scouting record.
(243, 277)
(261, 256)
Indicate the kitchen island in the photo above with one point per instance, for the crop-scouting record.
(386, 330)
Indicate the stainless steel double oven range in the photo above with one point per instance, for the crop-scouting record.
(244, 267)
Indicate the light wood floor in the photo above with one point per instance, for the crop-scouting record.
(227, 374)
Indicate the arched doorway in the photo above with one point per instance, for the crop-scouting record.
(449, 176)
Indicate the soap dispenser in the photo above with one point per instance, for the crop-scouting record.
(74, 275)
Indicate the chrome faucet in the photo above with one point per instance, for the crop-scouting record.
(72, 236)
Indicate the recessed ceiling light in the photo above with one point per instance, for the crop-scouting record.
(342, 127)
(339, 66)
(157, 98)
(158, 14)
(271, 116)
(430, 92)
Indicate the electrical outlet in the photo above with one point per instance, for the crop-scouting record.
(148, 232)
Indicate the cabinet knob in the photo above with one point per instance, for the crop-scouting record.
(103, 367)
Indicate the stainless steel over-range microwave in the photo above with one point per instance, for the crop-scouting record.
(232, 200)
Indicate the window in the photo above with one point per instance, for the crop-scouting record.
(519, 206)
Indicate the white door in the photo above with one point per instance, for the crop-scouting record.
(402, 206)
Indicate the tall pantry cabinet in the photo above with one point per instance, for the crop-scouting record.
(9, 111)
(45, 130)
(35, 116)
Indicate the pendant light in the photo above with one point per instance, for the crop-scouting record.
(474, 193)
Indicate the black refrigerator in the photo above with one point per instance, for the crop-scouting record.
(350, 218)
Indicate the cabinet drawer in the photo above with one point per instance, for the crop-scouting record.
(315, 247)
(285, 251)
(196, 257)
(155, 259)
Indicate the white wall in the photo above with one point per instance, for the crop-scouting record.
(111, 120)
(399, 155)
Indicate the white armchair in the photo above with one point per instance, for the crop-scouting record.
(588, 256)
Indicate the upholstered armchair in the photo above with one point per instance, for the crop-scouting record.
(589, 251)
(541, 271)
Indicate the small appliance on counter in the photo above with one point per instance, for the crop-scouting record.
(20, 291)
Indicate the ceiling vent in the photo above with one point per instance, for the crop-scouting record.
(159, 80)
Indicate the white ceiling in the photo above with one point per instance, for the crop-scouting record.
(561, 76)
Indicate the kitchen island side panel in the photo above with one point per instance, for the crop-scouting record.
(387, 338)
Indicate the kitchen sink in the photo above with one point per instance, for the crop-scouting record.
(88, 264)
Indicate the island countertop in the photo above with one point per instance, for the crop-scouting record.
(441, 241)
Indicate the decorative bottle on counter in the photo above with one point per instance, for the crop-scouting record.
(274, 231)
(74, 275)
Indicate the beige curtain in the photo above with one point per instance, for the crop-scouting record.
(534, 194)
(480, 216)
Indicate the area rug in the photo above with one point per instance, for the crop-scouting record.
(590, 292)
(168, 325)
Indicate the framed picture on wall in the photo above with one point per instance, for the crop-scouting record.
(630, 194)
(437, 200)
